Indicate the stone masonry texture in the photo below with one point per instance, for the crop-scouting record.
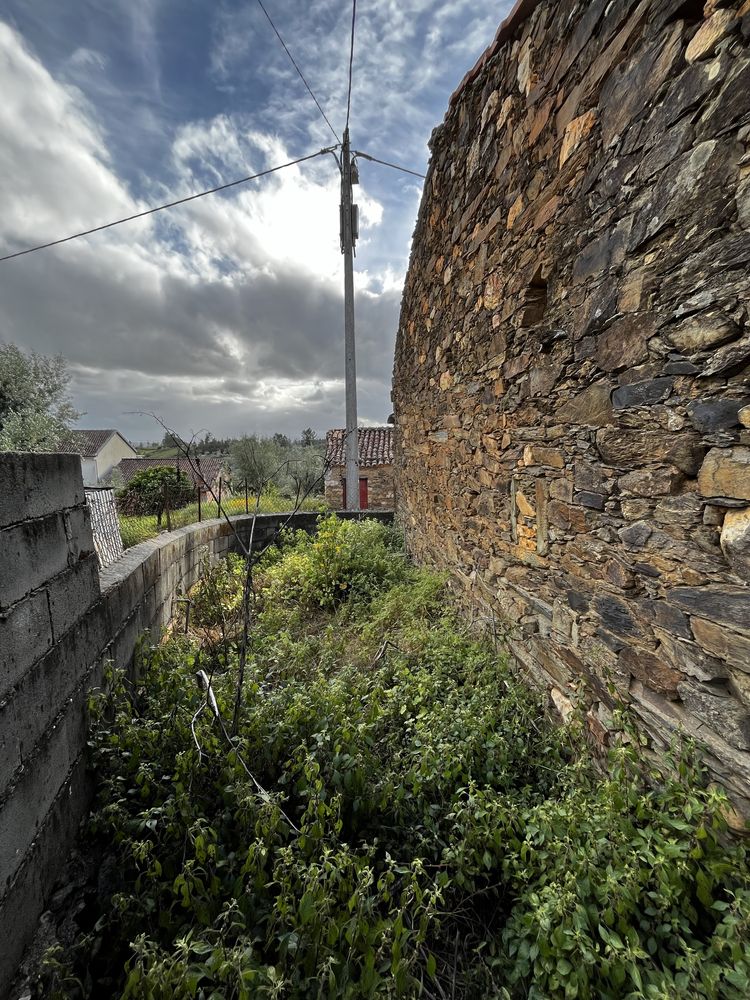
(379, 486)
(571, 376)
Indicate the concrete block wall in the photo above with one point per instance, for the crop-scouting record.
(60, 620)
(50, 643)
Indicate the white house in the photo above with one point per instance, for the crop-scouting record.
(100, 452)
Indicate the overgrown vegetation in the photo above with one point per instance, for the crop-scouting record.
(35, 409)
(396, 817)
(152, 491)
(138, 528)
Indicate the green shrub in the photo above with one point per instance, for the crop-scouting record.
(151, 490)
(217, 598)
(426, 831)
(344, 558)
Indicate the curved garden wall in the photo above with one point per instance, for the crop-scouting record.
(571, 375)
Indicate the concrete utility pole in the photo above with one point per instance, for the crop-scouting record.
(349, 233)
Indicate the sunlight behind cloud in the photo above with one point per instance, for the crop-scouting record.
(227, 310)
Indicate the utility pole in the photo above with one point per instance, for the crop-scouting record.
(349, 233)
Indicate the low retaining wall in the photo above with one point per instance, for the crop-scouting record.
(60, 620)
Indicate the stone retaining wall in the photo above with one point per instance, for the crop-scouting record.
(571, 377)
(60, 619)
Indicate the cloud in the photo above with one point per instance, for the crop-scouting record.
(238, 290)
(227, 312)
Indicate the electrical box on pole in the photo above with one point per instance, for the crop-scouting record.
(349, 232)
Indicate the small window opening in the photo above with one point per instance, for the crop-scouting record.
(535, 301)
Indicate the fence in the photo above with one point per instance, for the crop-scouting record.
(105, 527)
(170, 511)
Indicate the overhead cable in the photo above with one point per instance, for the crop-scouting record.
(395, 166)
(351, 63)
(169, 204)
(299, 71)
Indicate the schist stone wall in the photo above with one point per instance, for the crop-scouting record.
(571, 375)
(60, 620)
(379, 486)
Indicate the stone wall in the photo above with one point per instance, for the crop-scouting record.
(380, 492)
(571, 375)
(60, 619)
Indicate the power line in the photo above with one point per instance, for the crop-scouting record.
(395, 166)
(351, 62)
(299, 71)
(170, 204)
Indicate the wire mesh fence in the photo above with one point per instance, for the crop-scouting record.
(104, 524)
(172, 507)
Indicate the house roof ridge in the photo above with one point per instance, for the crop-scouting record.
(375, 445)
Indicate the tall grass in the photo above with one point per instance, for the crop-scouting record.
(142, 527)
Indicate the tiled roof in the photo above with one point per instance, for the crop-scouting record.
(210, 467)
(86, 443)
(375, 446)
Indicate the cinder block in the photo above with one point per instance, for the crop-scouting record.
(72, 593)
(122, 598)
(27, 802)
(29, 891)
(124, 643)
(45, 688)
(164, 615)
(33, 485)
(150, 610)
(78, 531)
(34, 551)
(124, 567)
(151, 568)
(25, 636)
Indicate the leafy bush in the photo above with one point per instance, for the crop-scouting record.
(149, 491)
(426, 830)
(342, 559)
(217, 596)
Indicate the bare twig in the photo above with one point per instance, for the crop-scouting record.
(204, 682)
(248, 591)
(455, 968)
(381, 651)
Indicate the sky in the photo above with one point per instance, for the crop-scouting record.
(225, 315)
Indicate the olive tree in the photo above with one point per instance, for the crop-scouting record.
(35, 408)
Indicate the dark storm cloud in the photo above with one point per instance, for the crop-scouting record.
(287, 325)
(227, 314)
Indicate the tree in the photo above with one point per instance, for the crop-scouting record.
(35, 409)
(169, 441)
(308, 438)
(257, 460)
(304, 472)
(150, 490)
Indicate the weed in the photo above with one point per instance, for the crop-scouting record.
(446, 839)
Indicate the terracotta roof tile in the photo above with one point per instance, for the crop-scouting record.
(86, 443)
(375, 446)
(210, 467)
